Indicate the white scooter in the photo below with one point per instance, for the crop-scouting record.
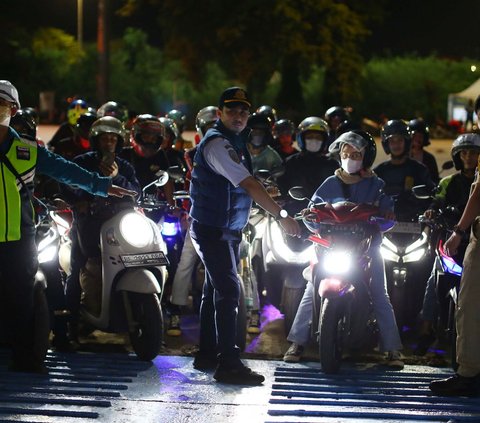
(133, 262)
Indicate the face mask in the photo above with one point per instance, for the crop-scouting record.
(5, 114)
(313, 145)
(257, 140)
(351, 166)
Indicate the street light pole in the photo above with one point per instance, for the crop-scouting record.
(102, 52)
(80, 23)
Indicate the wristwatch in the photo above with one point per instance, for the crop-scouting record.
(458, 231)
(282, 214)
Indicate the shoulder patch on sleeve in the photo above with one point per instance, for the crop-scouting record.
(233, 154)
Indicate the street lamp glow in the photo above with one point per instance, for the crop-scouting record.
(473, 68)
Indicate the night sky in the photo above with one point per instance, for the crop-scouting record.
(444, 27)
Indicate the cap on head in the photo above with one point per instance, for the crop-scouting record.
(9, 93)
(234, 96)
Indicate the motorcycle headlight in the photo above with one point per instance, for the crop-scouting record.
(170, 226)
(337, 262)
(47, 254)
(416, 250)
(389, 250)
(136, 230)
(414, 255)
(284, 251)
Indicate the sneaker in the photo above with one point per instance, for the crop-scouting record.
(204, 361)
(456, 386)
(394, 360)
(254, 324)
(174, 326)
(293, 354)
(238, 375)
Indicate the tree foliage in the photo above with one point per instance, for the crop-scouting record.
(251, 40)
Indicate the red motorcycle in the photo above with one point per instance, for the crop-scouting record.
(343, 316)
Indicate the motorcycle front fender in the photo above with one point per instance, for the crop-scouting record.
(40, 279)
(139, 280)
(332, 287)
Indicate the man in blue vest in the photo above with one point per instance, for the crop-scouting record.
(20, 158)
(222, 190)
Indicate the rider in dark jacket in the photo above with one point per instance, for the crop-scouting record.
(310, 167)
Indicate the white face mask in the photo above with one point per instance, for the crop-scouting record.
(313, 145)
(5, 114)
(351, 166)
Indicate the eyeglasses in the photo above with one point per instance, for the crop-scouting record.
(243, 113)
(6, 103)
(356, 155)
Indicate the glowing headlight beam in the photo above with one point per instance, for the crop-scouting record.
(136, 230)
(337, 262)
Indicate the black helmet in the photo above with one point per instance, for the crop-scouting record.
(205, 118)
(114, 109)
(345, 126)
(311, 123)
(33, 113)
(359, 140)
(170, 129)
(268, 111)
(263, 122)
(419, 125)
(105, 125)
(283, 126)
(24, 123)
(147, 124)
(84, 124)
(336, 111)
(395, 127)
(470, 141)
(178, 117)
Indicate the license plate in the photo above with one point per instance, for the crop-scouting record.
(144, 259)
(407, 228)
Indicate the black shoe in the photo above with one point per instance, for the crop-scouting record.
(455, 386)
(205, 361)
(239, 375)
(424, 343)
(28, 367)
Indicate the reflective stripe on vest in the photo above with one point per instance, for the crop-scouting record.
(23, 157)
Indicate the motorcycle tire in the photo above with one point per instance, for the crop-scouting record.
(147, 316)
(41, 324)
(291, 298)
(330, 335)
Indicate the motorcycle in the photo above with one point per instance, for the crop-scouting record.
(283, 258)
(448, 270)
(342, 307)
(408, 259)
(133, 273)
(52, 226)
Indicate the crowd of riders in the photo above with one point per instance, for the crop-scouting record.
(133, 149)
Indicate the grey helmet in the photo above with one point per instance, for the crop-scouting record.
(205, 117)
(358, 139)
(107, 124)
(470, 141)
